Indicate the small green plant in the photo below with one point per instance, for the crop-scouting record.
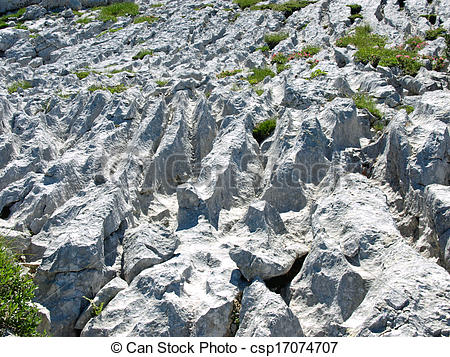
(274, 39)
(148, 19)
(141, 54)
(312, 63)
(365, 101)
(161, 82)
(109, 31)
(3, 25)
(409, 108)
(228, 73)
(243, 4)
(156, 5)
(353, 17)
(287, 8)
(96, 310)
(264, 48)
(20, 26)
(264, 129)
(115, 10)
(258, 75)
(259, 92)
(113, 89)
(279, 58)
(431, 18)
(17, 313)
(282, 67)
(13, 16)
(84, 20)
(431, 35)
(355, 8)
(204, 6)
(82, 75)
(19, 84)
(317, 73)
(77, 13)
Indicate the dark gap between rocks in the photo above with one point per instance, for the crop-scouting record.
(279, 284)
(6, 211)
(233, 318)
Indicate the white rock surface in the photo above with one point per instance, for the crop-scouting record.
(145, 169)
(265, 314)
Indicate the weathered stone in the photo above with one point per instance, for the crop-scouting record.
(265, 314)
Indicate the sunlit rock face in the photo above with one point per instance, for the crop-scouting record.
(141, 178)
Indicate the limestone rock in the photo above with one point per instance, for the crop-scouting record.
(265, 314)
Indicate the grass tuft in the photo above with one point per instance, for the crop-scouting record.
(19, 84)
(228, 73)
(264, 129)
(148, 19)
(243, 4)
(259, 74)
(141, 54)
(365, 101)
(274, 39)
(113, 11)
(113, 89)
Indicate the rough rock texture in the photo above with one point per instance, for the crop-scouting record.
(135, 180)
(265, 313)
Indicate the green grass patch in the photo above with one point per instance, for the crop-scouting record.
(17, 313)
(431, 35)
(353, 17)
(13, 16)
(279, 58)
(317, 73)
(156, 5)
(77, 13)
(161, 82)
(243, 4)
(287, 8)
(141, 54)
(19, 84)
(148, 19)
(264, 129)
(113, 89)
(259, 92)
(371, 49)
(409, 108)
(282, 67)
(82, 75)
(113, 11)
(264, 48)
(365, 101)
(354, 8)
(228, 73)
(273, 39)
(84, 20)
(258, 75)
(109, 31)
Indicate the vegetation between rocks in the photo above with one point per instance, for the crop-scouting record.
(274, 39)
(115, 10)
(258, 75)
(141, 54)
(372, 49)
(228, 73)
(113, 89)
(18, 315)
(264, 129)
(19, 84)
